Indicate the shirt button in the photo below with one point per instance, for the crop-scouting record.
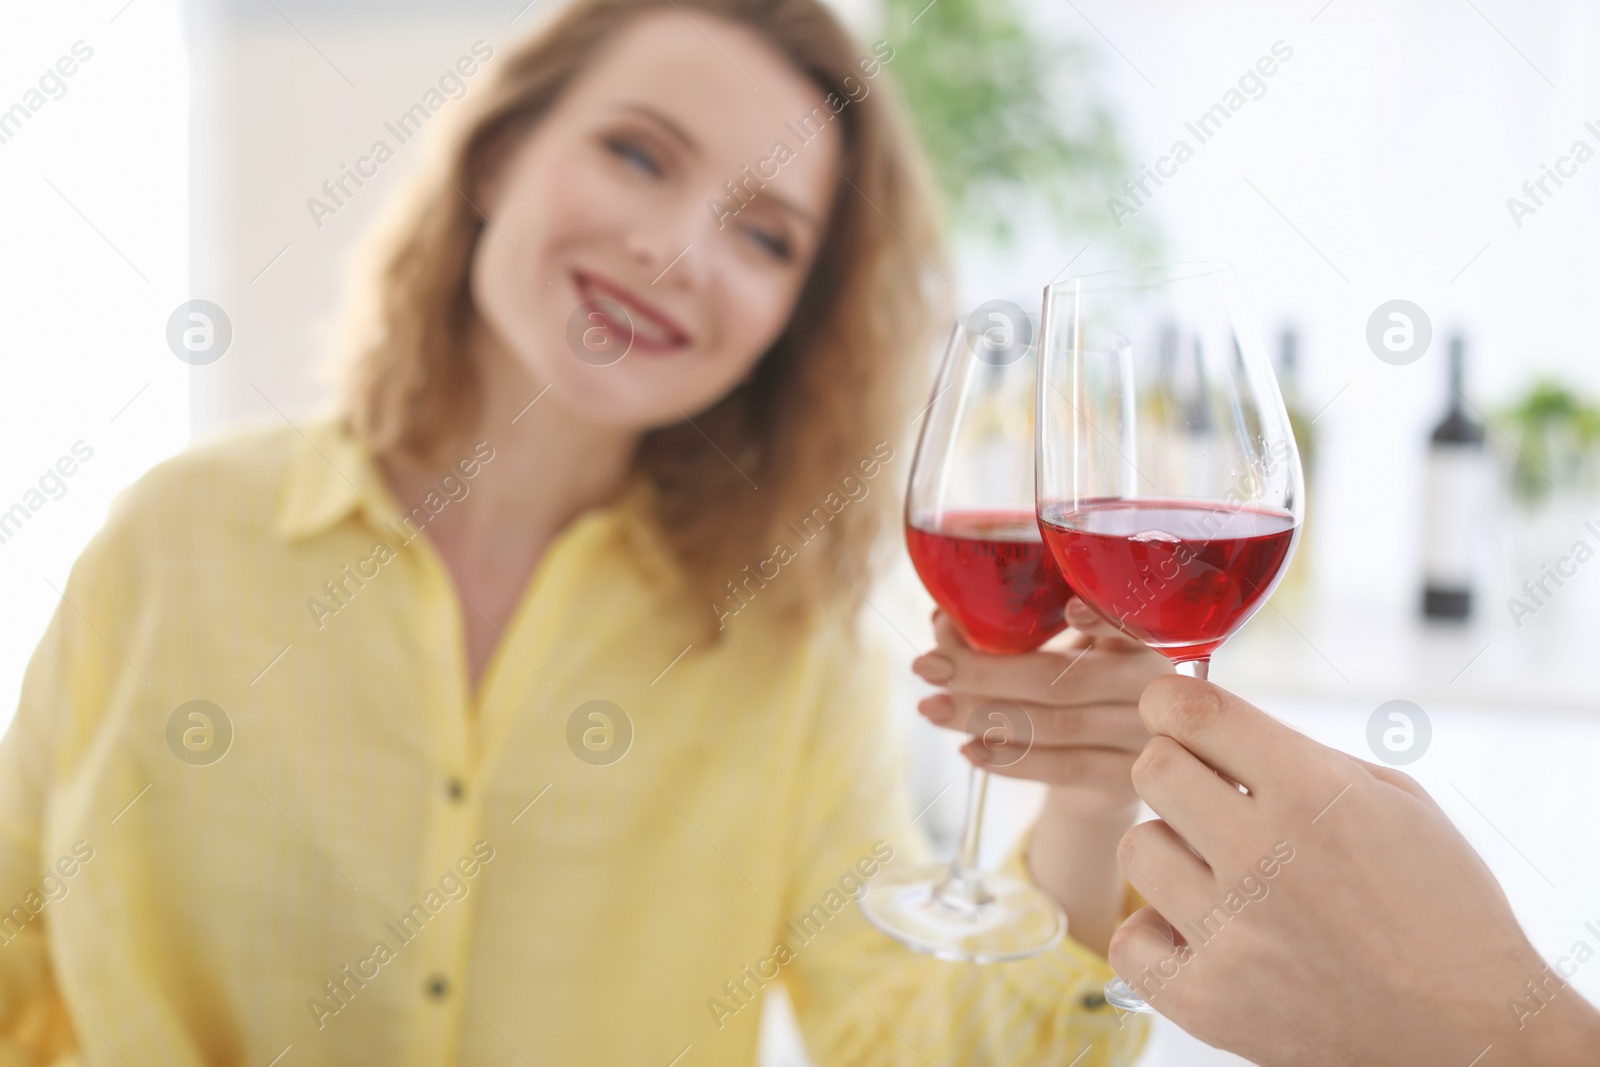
(437, 987)
(455, 789)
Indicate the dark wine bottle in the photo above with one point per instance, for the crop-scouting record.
(1456, 477)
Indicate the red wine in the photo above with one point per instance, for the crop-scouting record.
(1180, 576)
(991, 572)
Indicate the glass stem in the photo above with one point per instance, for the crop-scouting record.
(964, 886)
(1195, 668)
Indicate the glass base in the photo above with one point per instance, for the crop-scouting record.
(1120, 994)
(985, 918)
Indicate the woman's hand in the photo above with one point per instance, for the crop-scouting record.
(1066, 715)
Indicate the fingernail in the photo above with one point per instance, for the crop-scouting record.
(938, 708)
(934, 667)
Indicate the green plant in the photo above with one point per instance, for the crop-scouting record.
(1557, 438)
(1007, 117)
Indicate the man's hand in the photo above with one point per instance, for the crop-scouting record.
(1309, 908)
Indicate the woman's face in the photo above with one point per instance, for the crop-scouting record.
(613, 230)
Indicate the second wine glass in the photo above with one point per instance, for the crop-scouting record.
(974, 540)
(1169, 484)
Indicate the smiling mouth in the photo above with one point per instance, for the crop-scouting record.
(628, 318)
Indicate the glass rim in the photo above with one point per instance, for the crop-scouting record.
(1145, 277)
(963, 319)
(968, 337)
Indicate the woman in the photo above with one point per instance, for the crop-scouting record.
(515, 714)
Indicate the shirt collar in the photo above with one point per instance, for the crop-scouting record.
(330, 475)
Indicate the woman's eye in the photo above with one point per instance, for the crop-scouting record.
(634, 155)
(773, 243)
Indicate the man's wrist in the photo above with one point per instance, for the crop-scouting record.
(1543, 1021)
(1564, 1033)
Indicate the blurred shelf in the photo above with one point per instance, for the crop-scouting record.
(1361, 652)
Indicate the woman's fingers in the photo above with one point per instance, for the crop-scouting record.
(1092, 624)
(1098, 725)
(1067, 676)
(1066, 714)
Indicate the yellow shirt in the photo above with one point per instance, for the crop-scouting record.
(341, 856)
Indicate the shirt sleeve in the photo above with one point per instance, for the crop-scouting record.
(862, 998)
(62, 687)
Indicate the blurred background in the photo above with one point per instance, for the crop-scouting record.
(1441, 152)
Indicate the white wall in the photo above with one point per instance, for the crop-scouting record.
(92, 262)
(284, 103)
(1390, 141)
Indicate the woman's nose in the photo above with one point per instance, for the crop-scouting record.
(667, 252)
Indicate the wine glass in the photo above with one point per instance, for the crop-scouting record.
(1169, 484)
(973, 537)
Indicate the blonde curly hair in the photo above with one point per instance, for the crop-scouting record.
(840, 378)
